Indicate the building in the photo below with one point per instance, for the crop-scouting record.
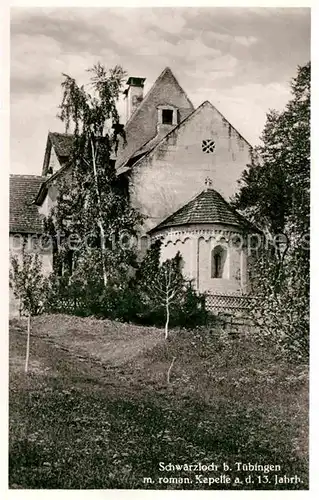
(212, 239)
(181, 166)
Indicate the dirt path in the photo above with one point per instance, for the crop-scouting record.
(105, 342)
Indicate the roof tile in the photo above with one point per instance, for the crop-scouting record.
(24, 215)
(209, 207)
(62, 143)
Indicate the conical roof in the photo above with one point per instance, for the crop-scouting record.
(209, 207)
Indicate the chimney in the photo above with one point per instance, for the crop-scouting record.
(133, 94)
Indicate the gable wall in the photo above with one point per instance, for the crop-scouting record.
(175, 171)
(48, 201)
(51, 196)
(143, 126)
(54, 163)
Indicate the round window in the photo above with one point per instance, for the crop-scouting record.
(208, 146)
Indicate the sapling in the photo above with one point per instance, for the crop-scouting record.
(29, 285)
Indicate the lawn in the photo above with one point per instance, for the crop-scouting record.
(96, 411)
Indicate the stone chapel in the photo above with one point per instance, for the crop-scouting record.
(180, 166)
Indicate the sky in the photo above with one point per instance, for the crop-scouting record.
(240, 59)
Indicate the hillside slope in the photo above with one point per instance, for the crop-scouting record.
(96, 411)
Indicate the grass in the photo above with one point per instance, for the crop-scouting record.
(95, 410)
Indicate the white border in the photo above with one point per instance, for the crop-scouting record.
(4, 169)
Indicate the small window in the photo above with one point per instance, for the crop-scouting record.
(167, 116)
(208, 146)
(218, 261)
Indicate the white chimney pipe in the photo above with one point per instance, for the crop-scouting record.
(133, 94)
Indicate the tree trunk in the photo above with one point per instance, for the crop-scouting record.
(167, 319)
(100, 223)
(103, 251)
(28, 344)
(20, 306)
(169, 370)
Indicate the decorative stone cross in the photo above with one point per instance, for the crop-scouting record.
(208, 183)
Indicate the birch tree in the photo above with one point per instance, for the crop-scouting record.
(167, 287)
(90, 202)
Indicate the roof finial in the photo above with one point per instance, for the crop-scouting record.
(208, 183)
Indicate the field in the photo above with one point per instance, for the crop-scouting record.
(96, 410)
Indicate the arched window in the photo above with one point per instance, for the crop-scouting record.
(218, 261)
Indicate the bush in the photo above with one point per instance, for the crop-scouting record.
(192, 311)
(189, 312)
(280, 307)
(28, 283)
(164, 292)
(129, 300)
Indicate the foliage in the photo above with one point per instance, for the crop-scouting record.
(275, 189)
(28, 283)
(167, 286)
(275, 194)
(128, 297)
(95, 271)
(92, 210)
(165, 294)
(192, 311)
(280, 306)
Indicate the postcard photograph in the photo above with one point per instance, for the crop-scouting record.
(159, 248)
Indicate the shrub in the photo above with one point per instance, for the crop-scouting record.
(280, 307)
(28, 283)
(166, 296)
(130, 299)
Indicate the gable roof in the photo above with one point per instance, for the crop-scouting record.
(151, 145)
(140, 128)
(166, 74)
(24, 215)
(62, 145)
(142, 124)
(141, 152)
(208, 207)
(141, 134)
